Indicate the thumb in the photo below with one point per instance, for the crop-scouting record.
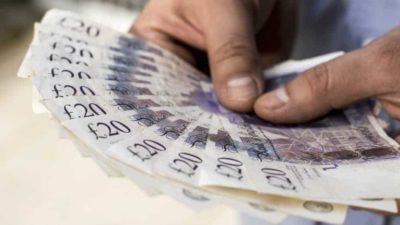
(232, 53)
(315, 92)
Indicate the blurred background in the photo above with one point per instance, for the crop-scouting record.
(17, 16)
(44, 179)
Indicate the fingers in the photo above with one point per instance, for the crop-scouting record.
(165, 41)
(160, 23)
(231, 47)
(225, 28)
(315, 92)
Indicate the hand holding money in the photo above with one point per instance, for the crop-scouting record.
(371, 71)
(235, 35)
(226, 30)
(141, 112)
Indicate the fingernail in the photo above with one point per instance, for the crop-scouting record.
(242, 88)
(276, 99)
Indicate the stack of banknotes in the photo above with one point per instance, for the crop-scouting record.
(141, 112)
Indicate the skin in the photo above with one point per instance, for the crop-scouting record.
(227, 31)
(240, 37)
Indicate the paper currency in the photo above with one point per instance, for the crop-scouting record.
(142, 112)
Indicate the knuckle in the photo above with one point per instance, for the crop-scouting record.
(389, 52)
(318, 80)
(386, 58)
(159, 22)
(234, 47)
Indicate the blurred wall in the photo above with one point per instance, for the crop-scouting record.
(121, 12)
(17, 16)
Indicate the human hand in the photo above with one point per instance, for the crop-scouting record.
(228, 31)
(372, 71)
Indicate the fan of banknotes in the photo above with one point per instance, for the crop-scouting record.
(141, 112)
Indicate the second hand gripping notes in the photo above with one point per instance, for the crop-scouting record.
(141, 112)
